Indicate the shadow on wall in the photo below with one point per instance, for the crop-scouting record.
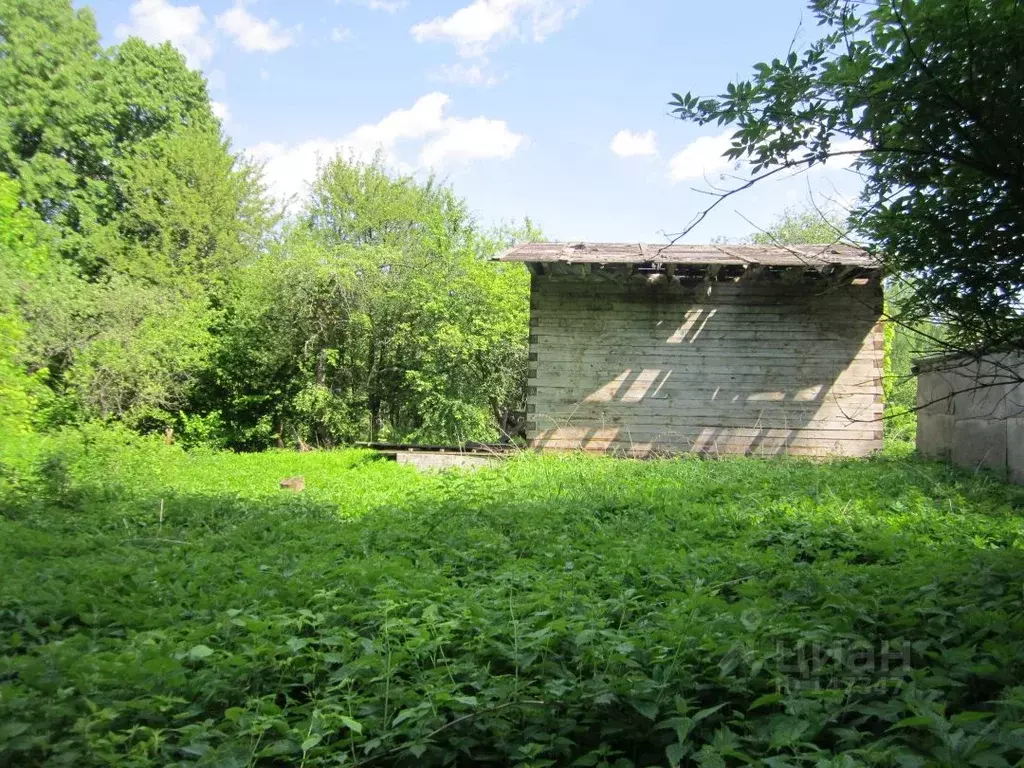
(758, 368)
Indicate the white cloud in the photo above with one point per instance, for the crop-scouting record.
(445, 141)
(420, 120)
(341, 34)
(702, 157)
(626, 143)
(157, 21)
(252, 34)
(466, 74)
(288, 169)
(465, 140)
(264, 74)
(483, 24)
(388, 6)
(220, 111)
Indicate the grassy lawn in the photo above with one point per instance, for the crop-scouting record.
(556, 610)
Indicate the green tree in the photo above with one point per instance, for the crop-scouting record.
(118, 150)
(378, 316)
(53, 134)
(439, 319)
(119, 156)
(927, 94)
(178, 205)
(802, 227)
(167, 300)
(22, 262)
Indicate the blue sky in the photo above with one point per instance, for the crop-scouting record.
(554, 109)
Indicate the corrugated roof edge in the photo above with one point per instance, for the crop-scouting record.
(639, 253)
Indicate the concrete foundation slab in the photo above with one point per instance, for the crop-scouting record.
(427, 460)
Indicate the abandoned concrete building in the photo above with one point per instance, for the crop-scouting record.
(649, 349)
(971, 411)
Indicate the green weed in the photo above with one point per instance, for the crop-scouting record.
(160, 607)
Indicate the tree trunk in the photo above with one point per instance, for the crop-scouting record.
(321, 360)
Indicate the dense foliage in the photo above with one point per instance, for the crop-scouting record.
(166, 608)
(378, 315)
(118, 150)
(803, 226)
(927, 95)
(20, 390)
(153, 284)
(137, 201)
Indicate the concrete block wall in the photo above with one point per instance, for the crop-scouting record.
(971, 412)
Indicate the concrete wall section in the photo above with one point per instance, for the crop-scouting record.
(971, 412)
(1015, 450)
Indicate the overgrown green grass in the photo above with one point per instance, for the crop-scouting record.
(556, 610)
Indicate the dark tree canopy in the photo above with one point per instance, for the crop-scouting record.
(929, 94)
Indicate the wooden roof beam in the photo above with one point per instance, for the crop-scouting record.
(839, 275)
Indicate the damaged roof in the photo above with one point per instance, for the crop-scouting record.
(814, 256)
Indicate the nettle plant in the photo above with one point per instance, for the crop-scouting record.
(550, 611)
